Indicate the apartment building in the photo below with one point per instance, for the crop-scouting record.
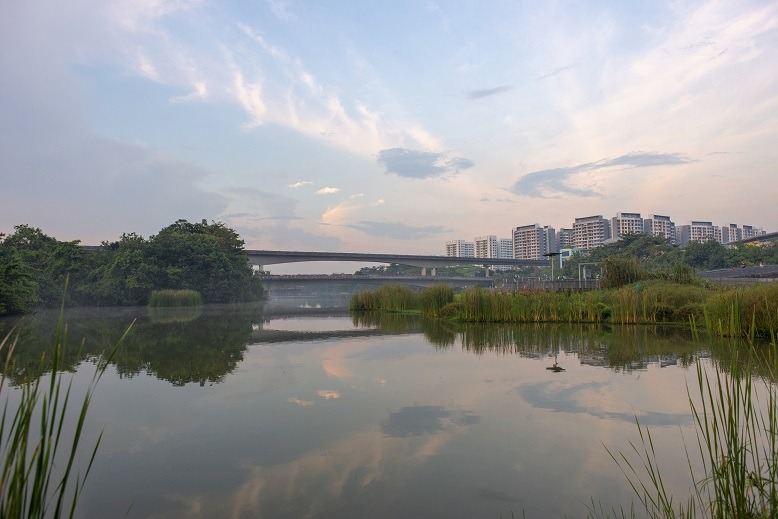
(506, 248)
(532, 241)
(660, 225)
(698, 231)
(626, 223)
(751, 232)
(460, 249)
(565, 238)
(487, 246)
(730, 233)
(590, 231)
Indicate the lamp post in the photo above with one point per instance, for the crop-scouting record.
(551, 256)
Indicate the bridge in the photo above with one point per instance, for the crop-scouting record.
(762, 238)
(260, 258)
(291, 281)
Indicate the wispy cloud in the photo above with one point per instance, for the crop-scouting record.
(478, 94)
(328, 191)
(551, 183)
(409, 163)
(554, 72)
(300, 184)
(398, 231)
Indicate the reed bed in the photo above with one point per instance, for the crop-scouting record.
(727, 312)
(388, 298)
(743, 312)
(174, 298)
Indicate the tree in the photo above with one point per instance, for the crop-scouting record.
(709, 255)
(18, 289)
(205, 257)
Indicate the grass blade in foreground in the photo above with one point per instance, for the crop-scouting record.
(38, 478)
(737, 435)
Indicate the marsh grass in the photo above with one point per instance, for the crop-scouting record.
(39, 451)
(749, 312)
(388, 298)
(175, 298)
(736, 424)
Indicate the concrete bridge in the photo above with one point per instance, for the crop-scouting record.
(260, 258)
(290, 281)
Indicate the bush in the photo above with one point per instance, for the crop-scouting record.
(175, 298)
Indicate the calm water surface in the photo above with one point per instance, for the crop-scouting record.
(296, 409)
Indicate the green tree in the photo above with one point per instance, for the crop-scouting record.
(209, 258)
(709, 255)
(18, 289)
(49, 261)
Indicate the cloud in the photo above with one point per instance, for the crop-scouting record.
(408, 163)
(328, 394)
(422, 420)
(550, 183)
(398, 231)
(554, 72)
(546, 395)
(300, 184)
(301, 403)
(328, 191)
(478, 94)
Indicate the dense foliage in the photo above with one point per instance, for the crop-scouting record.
(207, 258)
(656, 257)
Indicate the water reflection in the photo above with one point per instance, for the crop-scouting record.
(204, 344)
(180, 346)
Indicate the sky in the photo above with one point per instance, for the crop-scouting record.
(383, 126)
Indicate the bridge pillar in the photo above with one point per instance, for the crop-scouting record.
(424, 271)
(434, 271)
(486, 270)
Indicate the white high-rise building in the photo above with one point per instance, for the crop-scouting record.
(565, 239)
(626, 223)
(590, 232)
(698, 231)
(532, 241)
(506, 248)
(487, 247)
(751, 232)
(730, 233)
(659, 225)
(460, 249)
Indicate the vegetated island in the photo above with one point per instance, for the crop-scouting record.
(206, 258)
(629, 295)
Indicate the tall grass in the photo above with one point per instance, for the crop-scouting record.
(734, 312)
(736, 421)
(40, 474)
(174, 298)
(390, 298)
(743, 312)
(434, 299)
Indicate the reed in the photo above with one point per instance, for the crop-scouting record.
(736, 421)
(388, 298)
(749, 312)
(743, 312)
(434, 299)
(174, 298)
(41, 477)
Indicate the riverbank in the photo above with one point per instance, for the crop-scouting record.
(724, 311)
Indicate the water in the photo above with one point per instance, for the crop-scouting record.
(299, 410)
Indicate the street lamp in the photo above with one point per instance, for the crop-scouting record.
(551, 256)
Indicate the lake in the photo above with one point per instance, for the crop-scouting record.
(296, 409)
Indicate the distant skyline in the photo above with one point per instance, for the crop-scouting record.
(384, 126)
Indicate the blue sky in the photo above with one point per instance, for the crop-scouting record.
(384, 126)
